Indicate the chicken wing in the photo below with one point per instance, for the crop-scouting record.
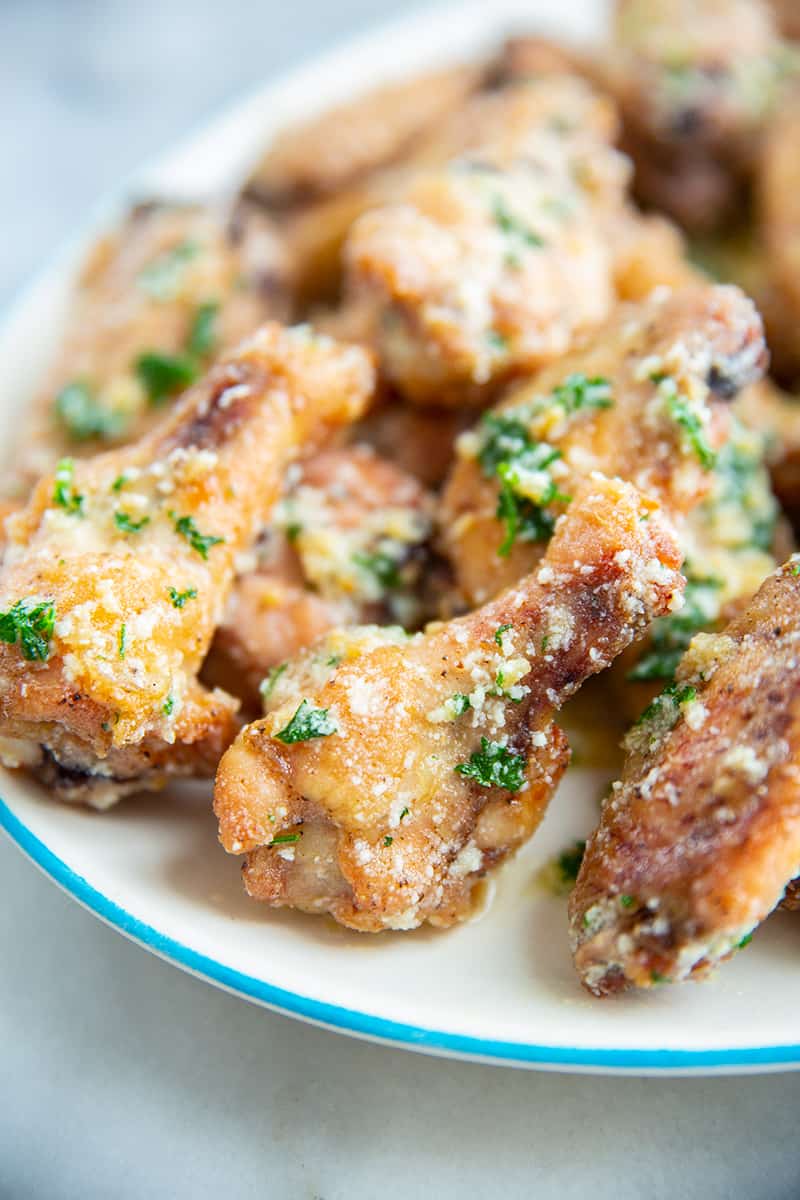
(392, 772)
(695, 83)
(702, 834)
(157, 299)
(346, 545)
(646, 398)
(116, 573)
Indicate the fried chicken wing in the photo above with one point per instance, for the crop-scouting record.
(157, 299)
(328, 153)
(695, 82)
(391, 773)
(116, 573)
(701, 836)
(346, 545)
(492, 264)
(646, 398)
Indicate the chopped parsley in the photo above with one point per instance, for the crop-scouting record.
(498, 633)
(31, 623)
(494, 766)
(119, 482)
(387, 841)
(179, 598)
(200, 542)
(795, 568)
(126, 523)
(509, 224)
(404, 813)
(497, 340)
(670, 636)
(168, 706)
(509, 454)
(64, 494)
(164, 374)
(308, 722)
(626, 901)
(83, 418)
(381, 566)
(268, 685)
(123, 640)
(668, 703)
(284, 839)
(745, 941)
(162, 278)
(203, 334)
(681, 411)
(458, 704)
(578, 393)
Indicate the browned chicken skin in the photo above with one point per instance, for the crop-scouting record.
(116, 573)
(700, 838)
(622, 404)
(392, 773)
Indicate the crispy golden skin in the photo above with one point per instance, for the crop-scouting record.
(695, 83)
(492, 264)
(142, 291)
(701, 836)
(708, 341)
(779, 217)
(346, 545)
(132, 554)
(328, 153)
(377, 822)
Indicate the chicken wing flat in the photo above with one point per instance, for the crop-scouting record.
(646, 398)
(392, 772)
(702, 834)
(157, 299)
(492, 264)
(695, 83)
(344, 144)
(345, 546)
(116, 573)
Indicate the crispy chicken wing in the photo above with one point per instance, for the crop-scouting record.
(645, 398)
(157, 299)
(116, 573)
(701, 836)
(695, 82)
(345, 546)
(391, 773)
(491, 264)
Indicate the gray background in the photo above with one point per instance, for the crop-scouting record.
(121, 1077)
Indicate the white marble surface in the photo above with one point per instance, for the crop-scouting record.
(121, 1077)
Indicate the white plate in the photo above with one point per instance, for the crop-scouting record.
(500, 989)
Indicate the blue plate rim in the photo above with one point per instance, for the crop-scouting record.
(381, 1029)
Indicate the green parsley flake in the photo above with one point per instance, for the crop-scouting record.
(203, 335)
(123, 638)
(269, 684)
(168, 706)
(578, 393)
(284, 839)
(179, 598)
(687, 419)
(31, 623)
(163, 277)
(498, 341)
(404, 813)
(387, 841)
(199, 542)
(498, 633)
(83, 418)
(509, 454)
(745, 941)
(626, 901)
(512, 226)
(64, 494)
(127, 524)
(381, 566)
(494, 766)
(164, 374)
(668, 703)
(459, 704)
(308, 722)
